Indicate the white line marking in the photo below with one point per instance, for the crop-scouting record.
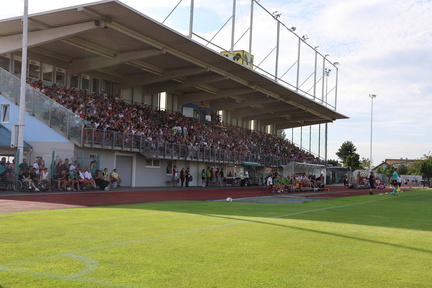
(91, 264)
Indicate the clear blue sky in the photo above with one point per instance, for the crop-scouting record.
(384, 48)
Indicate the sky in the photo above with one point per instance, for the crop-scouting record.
(384, 47)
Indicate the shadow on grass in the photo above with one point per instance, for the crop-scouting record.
(407, 211)
(332, 234)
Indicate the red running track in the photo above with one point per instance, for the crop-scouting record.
(56, 200)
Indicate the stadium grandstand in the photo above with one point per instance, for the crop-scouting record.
(109, 87)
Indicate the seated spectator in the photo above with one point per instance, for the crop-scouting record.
(105, 174)
(63, 181)
(100, 181)
(110, 114)
(27, 179)
(45, 179)
(74, 179)
(115, 179)
(88, 179)
(34, 176)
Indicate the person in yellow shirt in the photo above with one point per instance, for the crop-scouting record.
(115, 178)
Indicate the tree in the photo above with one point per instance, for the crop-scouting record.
(353, 161)
(365, 163)
(333, 162)
(385, 171)
(346, 149)
(403, 170)
(414, 168)
(426, 167)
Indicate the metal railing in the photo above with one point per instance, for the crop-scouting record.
(42, 107)
(104, 139)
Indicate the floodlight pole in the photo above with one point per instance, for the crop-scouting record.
(298, 64)
(233, 26)
(191, 18)
(277, 49)
(251, 29)
(23, 84)
(315, 73)
(372, 96)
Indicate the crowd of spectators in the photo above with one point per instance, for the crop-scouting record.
(102, 112)
(278, 183)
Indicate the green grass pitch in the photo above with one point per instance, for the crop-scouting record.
(362, 241)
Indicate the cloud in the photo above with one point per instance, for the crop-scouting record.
(384, 48)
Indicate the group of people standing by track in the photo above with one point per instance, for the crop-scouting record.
(278, 183)
(209, 177)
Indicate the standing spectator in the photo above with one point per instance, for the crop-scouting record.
(66, 164)
(371, 182)
(81, 178)
(58, 168)
(270, 182)
(212, 176)
(36, 166)
(174, 176)
(399, 181)
(203, 177)
(23, 166)
(221, 177)
(188, 176)
(246, 177)
(182, 177)
(208, 176)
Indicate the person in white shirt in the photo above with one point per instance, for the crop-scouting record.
(88, 178)
(246, 177)
(36, 166)
(270, 181)
(45, 179)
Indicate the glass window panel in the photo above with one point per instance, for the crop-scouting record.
(17, 66)
(95, 86)
(85, 82)
(5, 63)
(47, 72)
(34, 69)
(74, 81)
(5, 113)
(60, 76)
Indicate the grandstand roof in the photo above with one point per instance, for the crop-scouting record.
(114, 39)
